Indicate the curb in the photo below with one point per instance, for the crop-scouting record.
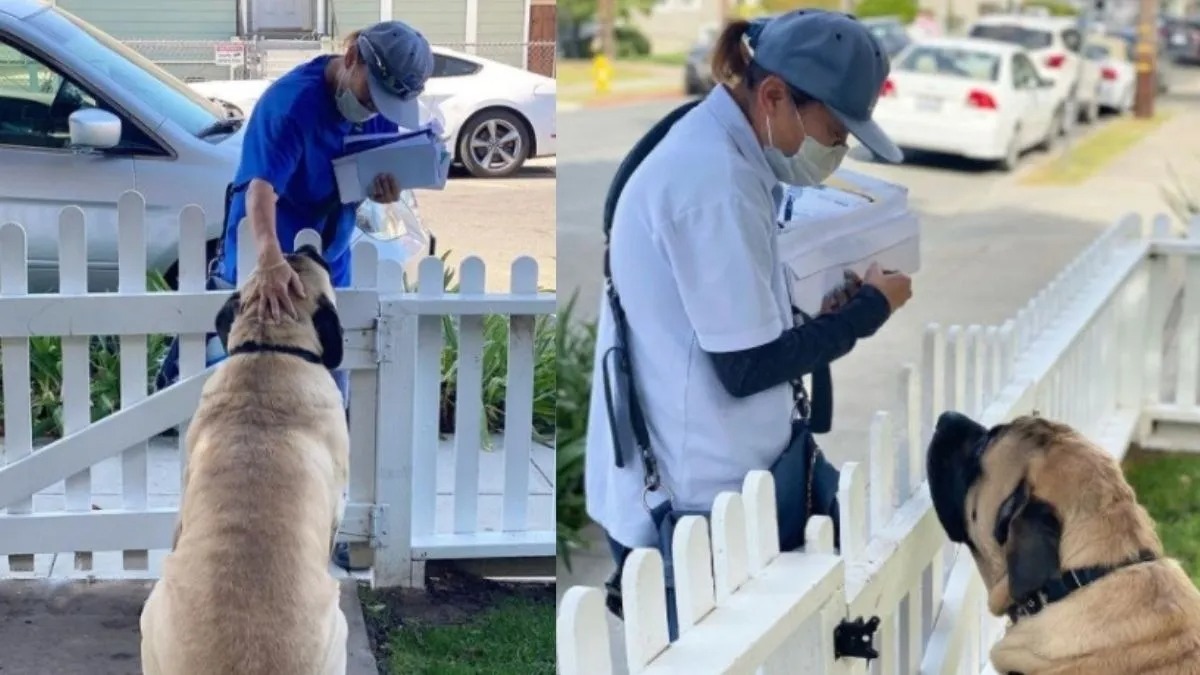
(360, 658)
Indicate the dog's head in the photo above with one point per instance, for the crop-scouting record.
(1030, 499)
(318, 329)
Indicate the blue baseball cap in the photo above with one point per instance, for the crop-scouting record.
(833, 58)
(399, 62)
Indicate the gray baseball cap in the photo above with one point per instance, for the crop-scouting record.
(833, 58)
(399, 62)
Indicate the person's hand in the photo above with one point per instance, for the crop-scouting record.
(384, 189)
(895, 286)
(276, 284)
(838, 297)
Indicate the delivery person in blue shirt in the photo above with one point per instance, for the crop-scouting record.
(285, 181)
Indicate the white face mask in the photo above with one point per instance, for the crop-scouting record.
(821, 160)
(349, 106)
(789, 169)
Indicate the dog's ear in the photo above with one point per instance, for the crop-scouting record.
(225, 317)
(1031, 541)
(329, 333)
(309, 251)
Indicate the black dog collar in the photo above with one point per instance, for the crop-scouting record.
(1071, 581)
(252, 347)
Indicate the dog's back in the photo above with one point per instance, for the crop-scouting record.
(247, 589)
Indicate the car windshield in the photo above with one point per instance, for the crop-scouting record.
(963, 63)
(150, 83)
(1096, 52)
(1014, 34)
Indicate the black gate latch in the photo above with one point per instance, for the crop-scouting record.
(854, 639)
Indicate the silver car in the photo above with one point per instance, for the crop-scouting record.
(83, 118)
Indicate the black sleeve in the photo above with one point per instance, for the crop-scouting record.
(800, 350)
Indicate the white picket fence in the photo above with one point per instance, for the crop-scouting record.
(73, 497)
(1088, 350)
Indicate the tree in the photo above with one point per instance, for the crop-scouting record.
(580, 11)
(574, 16)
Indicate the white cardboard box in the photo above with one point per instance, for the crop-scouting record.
(420, 162)
(850, 221)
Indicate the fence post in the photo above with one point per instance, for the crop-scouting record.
(392, 521)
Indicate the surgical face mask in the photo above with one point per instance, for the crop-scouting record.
(790, 169)
(821, 160)
(349, 105)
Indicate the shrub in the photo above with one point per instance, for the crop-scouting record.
(576, 344)
(631, 42)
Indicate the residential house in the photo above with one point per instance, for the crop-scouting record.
(175, 32)
(675, 26)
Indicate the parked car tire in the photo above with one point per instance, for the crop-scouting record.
(494, 143)
(1012, 153)
(1052, 132)
(1068, 113)
(1091, 112)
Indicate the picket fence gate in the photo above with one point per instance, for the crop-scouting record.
(57, 508)
(1111, 346)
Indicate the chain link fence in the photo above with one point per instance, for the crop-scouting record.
(200, 60)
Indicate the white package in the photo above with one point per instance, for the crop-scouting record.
(847, 223)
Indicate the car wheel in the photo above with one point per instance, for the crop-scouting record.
(1053, 131)
(1012, 154)
(493, 144)
(1067, 116)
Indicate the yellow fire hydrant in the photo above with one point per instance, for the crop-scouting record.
(601, 73)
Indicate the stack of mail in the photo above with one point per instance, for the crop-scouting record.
(418, 160)
(846, 223)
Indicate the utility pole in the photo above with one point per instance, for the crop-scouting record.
(608, 35)
(1147, 49)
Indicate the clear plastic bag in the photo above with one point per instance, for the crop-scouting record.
(397, 224)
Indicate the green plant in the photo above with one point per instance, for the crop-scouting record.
(576, 345)
(905, 10)
(631, 42)
(495, 370)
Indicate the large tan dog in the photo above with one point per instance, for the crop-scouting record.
(247, 589)
(1064, 549)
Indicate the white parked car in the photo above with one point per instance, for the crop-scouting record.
(1054, 43)
(1118, 73)
(975, 98)
(495, 116)
(83, 119)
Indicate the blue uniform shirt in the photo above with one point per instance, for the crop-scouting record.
(291, 140)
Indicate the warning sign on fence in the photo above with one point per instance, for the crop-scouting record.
(229, 54)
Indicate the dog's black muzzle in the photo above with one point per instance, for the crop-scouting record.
(952, 463)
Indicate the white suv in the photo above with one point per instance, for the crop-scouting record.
(1055, 44)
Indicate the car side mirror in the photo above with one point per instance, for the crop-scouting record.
(96, 129)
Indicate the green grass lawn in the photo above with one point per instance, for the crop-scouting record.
(516, 637)
(1094, 151)
(1168, 485)
(462, 625)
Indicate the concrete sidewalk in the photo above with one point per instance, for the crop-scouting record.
(981, 262)
(81, 628)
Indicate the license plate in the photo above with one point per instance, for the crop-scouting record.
(929, 104)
